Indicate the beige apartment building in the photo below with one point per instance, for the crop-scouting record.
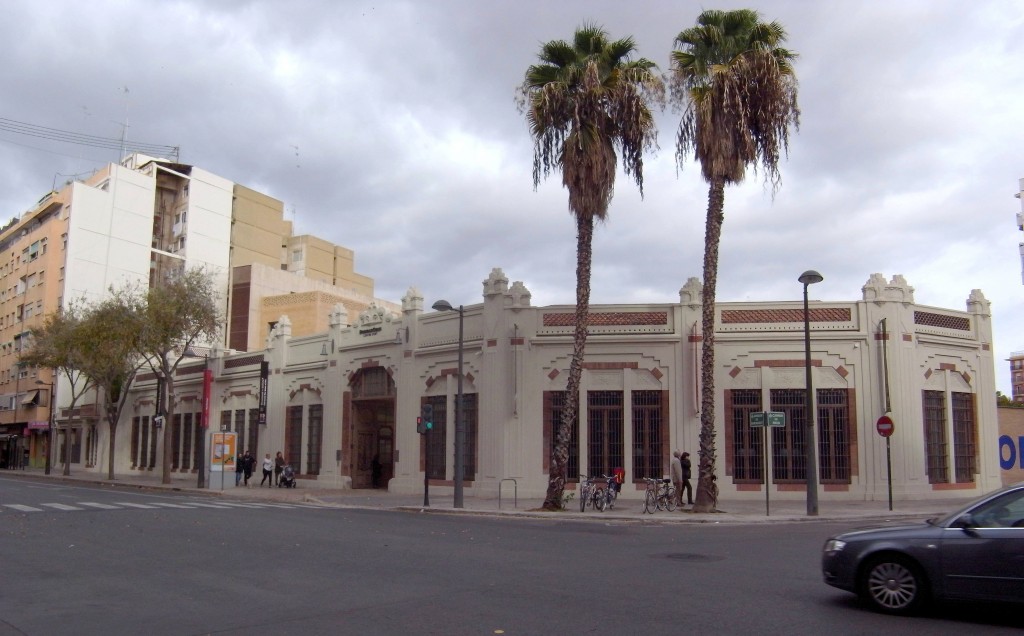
(134, 221)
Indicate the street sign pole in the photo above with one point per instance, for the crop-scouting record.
(759, 419)
(885, 428)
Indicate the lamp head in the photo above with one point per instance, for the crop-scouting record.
(810, 277)
(442, 305)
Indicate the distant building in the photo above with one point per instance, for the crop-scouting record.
(138, 221)
(1016, 361)
(1020, 222)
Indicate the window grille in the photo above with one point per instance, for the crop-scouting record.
(469, 424)
(747, 442)
(144, 443)
(833, 433)
(789, 460)
(135, 443)
(964, 438)
(186, 438)
(437, 438)
(175, 440)
(649, 449)
(254, 432)
(316, 435)
(554, 405)
(605, 429)
(293, 437)
(935, 441)
(197, 442)
(373, 382)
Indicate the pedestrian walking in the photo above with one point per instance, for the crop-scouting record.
(684, 460)
(268, 470)
(278, 467)
(248, 464)
(677, 477)
(239, 469)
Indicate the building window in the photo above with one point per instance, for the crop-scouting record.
(605, 430)
(965, 434)
(186, 439)
(254, 431)
(437, 438)
(293, 437)
(649, 446)
(554, 403)
(935, 440)
(833, 433)
(469, 425)
(789, 461)
(176, 441)
(316, 434)
(747, 442)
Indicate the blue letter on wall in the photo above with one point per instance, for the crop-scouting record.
(1006, 442)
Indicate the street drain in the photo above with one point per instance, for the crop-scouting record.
(693, 558)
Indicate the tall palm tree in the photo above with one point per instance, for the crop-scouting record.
(584, 101)
(739, 93)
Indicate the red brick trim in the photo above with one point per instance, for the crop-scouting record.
(761, 316)
(608, 366)
(784, 363)
(957, 486)
(609, 319)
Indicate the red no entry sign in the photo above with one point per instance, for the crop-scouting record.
(885, 426)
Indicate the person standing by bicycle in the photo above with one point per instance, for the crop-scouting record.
(677, 477)
(684, 461)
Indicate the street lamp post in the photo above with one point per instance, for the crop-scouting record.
(460, 433)
(808, 278)
(49, 423)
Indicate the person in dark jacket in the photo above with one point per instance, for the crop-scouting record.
(248, 465)
(685, 461)
(278, 467)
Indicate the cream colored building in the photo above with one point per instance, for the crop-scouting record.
(337, 398)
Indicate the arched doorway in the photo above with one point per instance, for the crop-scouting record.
(373, 424)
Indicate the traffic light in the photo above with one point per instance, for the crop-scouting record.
(427, 415)
(419, 426)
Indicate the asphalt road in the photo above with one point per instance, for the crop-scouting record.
(105, 560)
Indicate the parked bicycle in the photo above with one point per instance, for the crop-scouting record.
(606, 496)
(588, 492)
(659, 495)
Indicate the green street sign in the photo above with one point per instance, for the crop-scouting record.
(776, 419)
(756, 419)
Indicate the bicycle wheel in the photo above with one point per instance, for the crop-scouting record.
(584, 496)
(600, 501)
(670, 499)
(650, 502)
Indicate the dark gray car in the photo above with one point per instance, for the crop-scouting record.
(975, 553)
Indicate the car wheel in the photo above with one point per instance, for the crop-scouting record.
(893, 584)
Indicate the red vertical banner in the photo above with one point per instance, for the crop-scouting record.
(207, 387)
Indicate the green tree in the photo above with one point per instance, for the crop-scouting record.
(110, 333)
(584, 101)
(61, 344)
(178, 313)
(738, 91)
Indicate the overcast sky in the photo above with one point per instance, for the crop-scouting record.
(391, 128)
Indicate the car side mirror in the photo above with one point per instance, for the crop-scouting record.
(966, 523)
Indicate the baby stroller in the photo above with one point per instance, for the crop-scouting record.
(287, 477)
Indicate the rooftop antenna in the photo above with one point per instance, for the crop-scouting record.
(124, 126)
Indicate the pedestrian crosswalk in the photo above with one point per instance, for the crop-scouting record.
(148, 505)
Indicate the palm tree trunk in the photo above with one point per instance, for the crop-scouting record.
(707, 489)
(560, 452)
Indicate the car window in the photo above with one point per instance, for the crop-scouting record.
(1006, 511)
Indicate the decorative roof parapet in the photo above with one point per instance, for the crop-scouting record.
(412, 301)
(338, 317)
(692, 293)
(978, 304)
(519, 295)
(281, 331)
(897, 290)
(496, 283)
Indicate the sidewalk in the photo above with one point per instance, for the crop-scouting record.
(730, 511)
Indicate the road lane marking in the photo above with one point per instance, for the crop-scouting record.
(23, 508)
(172, 505)
(101, 506)
(135, 505)
(59, 506)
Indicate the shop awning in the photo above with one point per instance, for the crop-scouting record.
(32, 397)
